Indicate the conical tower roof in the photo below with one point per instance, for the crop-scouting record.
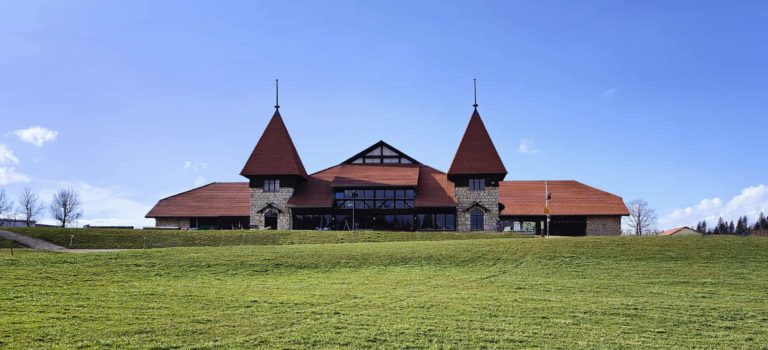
(275, 153)
(476, 153)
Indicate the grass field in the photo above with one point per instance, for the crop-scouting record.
(137, 239)
(620, 292)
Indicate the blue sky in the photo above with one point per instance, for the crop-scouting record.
(659, 100)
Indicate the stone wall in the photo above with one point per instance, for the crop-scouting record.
(488, 198)
(174, 222)
(279, 199)
(603, 225)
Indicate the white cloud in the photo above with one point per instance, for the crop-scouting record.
(527, 147)
(199, 181)
(36, 135)
(607, 94)
(104, 205)
(8, 173)
(7, 156)
(750, 202)
(195, 166)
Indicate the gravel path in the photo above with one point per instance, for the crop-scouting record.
(40, 244)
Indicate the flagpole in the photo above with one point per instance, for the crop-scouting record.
(546, 203)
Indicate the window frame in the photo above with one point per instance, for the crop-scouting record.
(271, 185)
(475, 215)
(477, 184)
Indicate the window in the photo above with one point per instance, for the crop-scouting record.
(476, 184)
(375, 199)
(271, 185)
(382, 155)
(476, 220)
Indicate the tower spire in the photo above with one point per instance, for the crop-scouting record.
(474, 82)
(277, 95)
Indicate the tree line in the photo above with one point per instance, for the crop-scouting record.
(741, 227)
(65, 207)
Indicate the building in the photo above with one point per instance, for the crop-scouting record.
(681, 231)
(383, 188)
(16, 223)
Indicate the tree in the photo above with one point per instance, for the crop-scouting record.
(721, 228)
(65, 207)
(5, 205)
(762, 222)
(642, 218)
(704, 228)
(30, 205)
(741, 226)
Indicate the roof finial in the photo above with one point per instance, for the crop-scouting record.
(277, 95)
(474, 81)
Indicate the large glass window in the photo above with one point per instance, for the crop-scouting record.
(437, 221)
(476, 220)
(476, 184)
(375, 199)
(271, 185)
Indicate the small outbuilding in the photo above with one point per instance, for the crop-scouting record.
(681, 231)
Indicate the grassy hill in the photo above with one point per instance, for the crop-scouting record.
(620, 292)
(138, 239)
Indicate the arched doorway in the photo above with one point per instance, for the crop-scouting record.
(270, 220)
(477, 220)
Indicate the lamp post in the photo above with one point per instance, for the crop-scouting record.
(354, 204)
(548, 197)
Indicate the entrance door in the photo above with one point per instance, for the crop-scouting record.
(270, 220)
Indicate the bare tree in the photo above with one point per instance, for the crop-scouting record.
(6, 206)
(30, 205)
(65, 207)
(642, 218)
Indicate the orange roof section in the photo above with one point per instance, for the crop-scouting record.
(212, 200)
(568, 198)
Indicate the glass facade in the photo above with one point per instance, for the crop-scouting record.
(387, 208)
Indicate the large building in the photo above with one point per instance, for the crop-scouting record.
(383, 188)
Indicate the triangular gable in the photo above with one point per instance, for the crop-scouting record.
(269, 206)
(381, 153)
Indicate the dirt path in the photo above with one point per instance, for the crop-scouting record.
(40, 244)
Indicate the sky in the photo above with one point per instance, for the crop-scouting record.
(128, 102)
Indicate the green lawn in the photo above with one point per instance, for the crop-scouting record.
(138, 239)
(620, 292)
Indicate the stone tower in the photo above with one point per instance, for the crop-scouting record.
(274, 170)
(476, 171)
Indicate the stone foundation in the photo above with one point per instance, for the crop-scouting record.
(488, 198)
(603, 225)
(173, 222)
(278, 199)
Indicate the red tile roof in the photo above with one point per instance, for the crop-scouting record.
(568, 198)
(476, 153)
(275, 153)
(350, 175)
(433, 187)
(212, 200)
